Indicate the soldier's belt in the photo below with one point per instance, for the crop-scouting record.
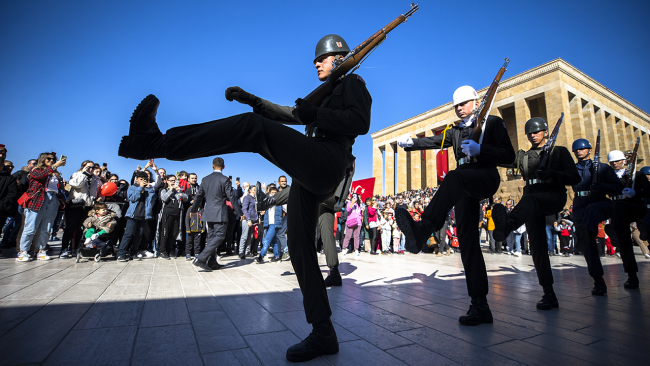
(583, 193)
(467, 159)
(619, 197)
(537, 181)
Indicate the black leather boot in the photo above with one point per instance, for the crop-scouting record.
(632, 281)
(500, 218)
(334, 278)
(417, 232)
(321, 341)
(549, 300)
(144, 141)
(643, 230)
(600, 288)
(478, 313)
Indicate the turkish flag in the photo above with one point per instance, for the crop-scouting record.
(442, 162)
(364, 188)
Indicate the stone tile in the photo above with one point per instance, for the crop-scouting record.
(531, 354)
(215, 332)
(275, 302)
(455, 349)
(240, 357)
(112, 312)
(482, 336)
(164, 308)
(416, 355)
(18, 346)
(397, 295)
(249, 317)
(105, 346)
(133, 279)
(373, 333)
(12, 312)
(271, 348)
(168, 345)
(81, 293)
(596, 353)
(380, 317)
(198, 300)
(6, 290)
(45, 289)
(362, 353)
(296, 322)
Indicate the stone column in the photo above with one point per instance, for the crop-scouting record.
(557, 102)
(629, 136)
(378, 168)
(432, 171)
(577, 119)
(401, 170)
(416, 167)
(621, 133)
(642, 151)
(605, 132)
(645, 142)
(390, 169)
(610, 122)
(522, 114)
(590, 124)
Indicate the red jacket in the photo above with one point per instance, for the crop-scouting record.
(37, 185)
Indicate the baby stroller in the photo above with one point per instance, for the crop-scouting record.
(103, 245)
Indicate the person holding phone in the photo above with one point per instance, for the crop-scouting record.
(170, 217)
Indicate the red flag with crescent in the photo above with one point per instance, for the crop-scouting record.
(442, 162)
(364, 188)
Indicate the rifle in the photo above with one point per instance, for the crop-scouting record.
(486, 103)
(354, 58)
(631, 166)
(550, 144)
(594, 179)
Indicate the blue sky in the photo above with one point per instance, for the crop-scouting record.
(73, 71)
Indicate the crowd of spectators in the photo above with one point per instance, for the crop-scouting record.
(148, 216)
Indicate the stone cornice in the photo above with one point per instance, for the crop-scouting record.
(549, 67)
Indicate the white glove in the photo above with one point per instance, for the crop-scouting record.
(405, 141)
(94, 236)
(629, 192)
(470, 148)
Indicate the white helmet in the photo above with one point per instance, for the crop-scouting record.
(615, 155)
(463, 94)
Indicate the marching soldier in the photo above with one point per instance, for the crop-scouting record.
(591, 207)
(317, 161)
(475, 179)
(544, 194)
(628, 208)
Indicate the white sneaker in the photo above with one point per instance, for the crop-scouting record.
(356, 252)
(647, 256)
(42, 256)
(65, 254)
(145, 254)
(23, 257)
(345, 252)
(517, 254)
(87, 241)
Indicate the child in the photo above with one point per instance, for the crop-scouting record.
(397, 236)
(99, 224)
(565, 233)
(386, 226)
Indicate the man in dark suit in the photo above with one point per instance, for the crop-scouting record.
(215, 190)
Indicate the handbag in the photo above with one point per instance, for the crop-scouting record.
(454, 242)
(372, 224)
(24, 200)
(196, 225)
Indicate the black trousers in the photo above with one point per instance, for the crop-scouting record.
(532, 210)
(592, 215)
(316, 166)
(169, 226)
(132, 237)
(625, 213)
(74, 218)
(193, 243)
(216, 236)
(464, 189)
(326, 223)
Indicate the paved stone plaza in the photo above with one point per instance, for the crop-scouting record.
(391, 310)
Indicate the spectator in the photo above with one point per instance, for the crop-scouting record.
(170, 217)
(564, 228)
(98, 226)
(352, 224)
(551, 234)
(13, 227)
(141, 196)
(250, 216)
(8, 188)
(514, 241)
(84, 191)
(386, 225)
(372, 224)
(272, 221)
(42, 203)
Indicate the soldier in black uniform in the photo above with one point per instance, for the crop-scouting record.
(317, 161)
(544, 194)
(644, 224)
(591, 207)
(325, 222)
(628, 208)
(475, 179)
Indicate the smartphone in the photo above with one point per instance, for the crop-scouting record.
(63, 157)
(237, 178)
(151, 161)
(178, 173)
(104, 165)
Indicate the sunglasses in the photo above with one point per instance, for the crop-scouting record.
(48, 159)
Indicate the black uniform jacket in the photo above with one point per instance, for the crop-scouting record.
(496, 147)
(214, 191)
(606, 177)
(641, 188)
(561, 162)
(342, 116)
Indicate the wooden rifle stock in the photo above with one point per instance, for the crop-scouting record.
(631, 166)
(594, 179)
(354, 58)
(481, 114)
(550, 144)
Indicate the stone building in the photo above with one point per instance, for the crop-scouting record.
(544, 91)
